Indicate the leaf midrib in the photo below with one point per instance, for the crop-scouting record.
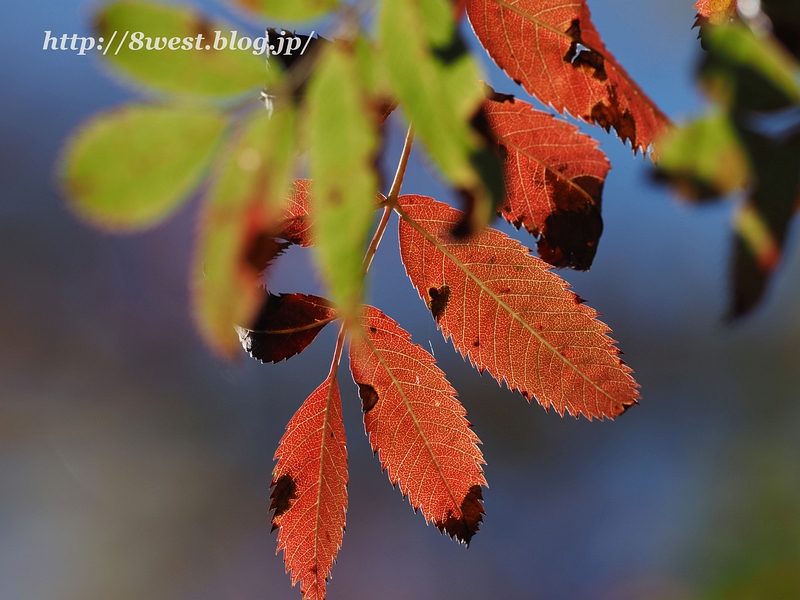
(409, 408)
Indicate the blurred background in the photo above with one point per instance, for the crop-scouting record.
(134, 465)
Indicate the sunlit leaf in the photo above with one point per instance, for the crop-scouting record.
(417, 426)
(342, 133)
(554, 180)
(717, 12)
(552, 49)
(139, 37)
(130, 168)
(309, 495)
(436, 81)
(509, 314)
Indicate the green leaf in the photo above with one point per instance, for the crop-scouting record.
(239, 218)
(288, 10)
(703, 158)
(130, 168)
(195, 67)
(343, 140)
(437, 82)
(745, 70)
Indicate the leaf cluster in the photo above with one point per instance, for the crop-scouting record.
(297, 165)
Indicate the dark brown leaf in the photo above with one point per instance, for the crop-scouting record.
(285, 326)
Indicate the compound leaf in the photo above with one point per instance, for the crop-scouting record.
(130, 168)
(509, 314)
(309, 496)
(417, 426)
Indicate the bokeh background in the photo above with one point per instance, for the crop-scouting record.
(135, 465)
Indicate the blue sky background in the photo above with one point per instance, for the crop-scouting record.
(135, 465)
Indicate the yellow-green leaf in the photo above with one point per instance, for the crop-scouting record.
(704, 158)
(194, 66)
(130, 168)
(288, 10)
(235, 243)
(343, 140)
(437, 83)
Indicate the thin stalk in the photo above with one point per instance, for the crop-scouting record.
(337, 354)
(391, 200)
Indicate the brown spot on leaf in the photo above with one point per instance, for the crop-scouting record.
(284, 492)
(369, 397)
(586, 57)
(336, 197)
(438, 300)
(609, 115)
(202, 26)
(466, 525)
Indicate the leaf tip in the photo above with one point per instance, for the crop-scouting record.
(464, 526)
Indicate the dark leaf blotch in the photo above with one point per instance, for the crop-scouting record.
(284, 493)
(369, 397)
(464, 527)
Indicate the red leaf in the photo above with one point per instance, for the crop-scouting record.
(507, 312)
(551, 48)
(309, 498)
(416, 424)
(285, 326)
(554, 180)
(296, 226)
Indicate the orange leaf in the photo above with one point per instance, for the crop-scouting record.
(309, 498)
(296, 224)
(551, 48)
(554, 180)
(416, 424)
(718, 12)
(507, 312)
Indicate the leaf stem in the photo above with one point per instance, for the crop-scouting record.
(391, 200)
(337, 353)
